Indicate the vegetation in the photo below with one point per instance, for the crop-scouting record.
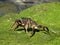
(47, 14)
(3, 8)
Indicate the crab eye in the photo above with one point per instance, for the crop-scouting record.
(22, 24)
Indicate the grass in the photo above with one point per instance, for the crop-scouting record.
(44, 14)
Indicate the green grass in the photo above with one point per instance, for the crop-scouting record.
(44, 14)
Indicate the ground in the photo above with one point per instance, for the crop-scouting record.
(44, 14)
